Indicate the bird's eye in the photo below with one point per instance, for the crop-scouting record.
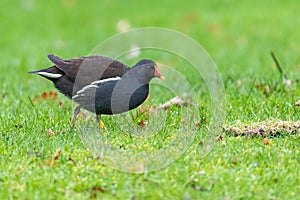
(148, 66)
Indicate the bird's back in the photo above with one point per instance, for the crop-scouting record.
(95, 67)
(69, 76)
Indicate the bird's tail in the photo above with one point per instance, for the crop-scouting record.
(49, 73)
(57, 60)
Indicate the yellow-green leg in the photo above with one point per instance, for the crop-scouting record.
(100, 122)
(148, 97)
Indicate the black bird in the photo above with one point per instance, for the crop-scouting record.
(100, 84)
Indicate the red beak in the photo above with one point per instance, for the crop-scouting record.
(157, 73)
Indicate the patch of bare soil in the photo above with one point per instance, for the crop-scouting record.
(264, 128)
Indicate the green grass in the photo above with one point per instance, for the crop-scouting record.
(239, 37)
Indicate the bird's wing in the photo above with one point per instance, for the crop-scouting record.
(94, 67)
(88, 95)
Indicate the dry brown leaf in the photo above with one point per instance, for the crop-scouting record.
(50, 132)
(97, 188)
(297, 103)
(266, 141)
(142, 123)
(57, 154)
(219, 138)
(53, 161)
(264, 88)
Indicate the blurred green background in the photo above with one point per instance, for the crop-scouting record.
(239, 35)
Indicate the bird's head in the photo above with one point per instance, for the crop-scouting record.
(146, 70)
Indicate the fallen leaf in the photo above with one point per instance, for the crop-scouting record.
(219, 138)
(203, 120)
(50, 132)
(142, 123)
(176, 101)
(97, 188)
(53, 161)
(266, 141)
(50, 162)
(72, 160)
(44, 95)
(198, 124)
(57, 154)
(264, 88)
(259, 86)
(297, 103)
(55, 95)
(288, 82)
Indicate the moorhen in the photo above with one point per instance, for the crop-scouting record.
(100, 84)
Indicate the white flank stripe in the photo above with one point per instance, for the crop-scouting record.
(93, 85)
(76, 96)
(106, 80)
(50, 75)
(86, 88)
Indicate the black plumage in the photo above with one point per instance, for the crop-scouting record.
(100, 84)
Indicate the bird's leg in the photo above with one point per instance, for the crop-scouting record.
(148, 97)
(75, 115)
(100, 122)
